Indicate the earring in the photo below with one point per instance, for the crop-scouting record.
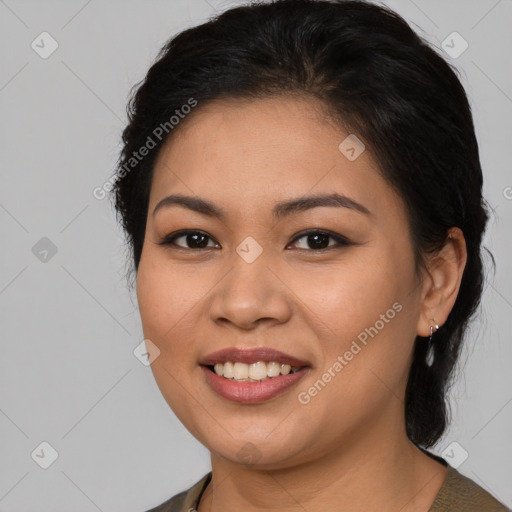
(429, 359)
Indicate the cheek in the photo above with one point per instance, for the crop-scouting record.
(166, 309)
(367, 313)
(167, 293)
(167, 302)
(352, 295)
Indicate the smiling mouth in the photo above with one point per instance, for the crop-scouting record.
(260, 371)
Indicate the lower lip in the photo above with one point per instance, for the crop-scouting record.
(251, 392)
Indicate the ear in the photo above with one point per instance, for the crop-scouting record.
(442, 282)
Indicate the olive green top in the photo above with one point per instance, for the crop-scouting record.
(457, 494)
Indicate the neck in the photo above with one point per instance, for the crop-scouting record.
(377, 472)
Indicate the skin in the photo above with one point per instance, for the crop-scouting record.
(348, 445)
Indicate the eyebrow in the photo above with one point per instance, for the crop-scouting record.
(280, 210)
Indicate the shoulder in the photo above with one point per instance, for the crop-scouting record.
(461, 494)
(185, 501)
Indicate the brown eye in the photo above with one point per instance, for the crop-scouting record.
(315, 240)
(319, 240)
(192, 240)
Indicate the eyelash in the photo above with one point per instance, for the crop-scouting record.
(341, 241)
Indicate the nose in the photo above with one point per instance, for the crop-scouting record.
(251, 294)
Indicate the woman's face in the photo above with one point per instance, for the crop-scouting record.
(347, 312)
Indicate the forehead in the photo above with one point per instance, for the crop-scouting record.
(283, 128)
(247, 151)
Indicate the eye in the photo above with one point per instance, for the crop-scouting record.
(195, 239)
(315, 239)
(319, 240)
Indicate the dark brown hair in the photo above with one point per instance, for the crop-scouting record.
(378, 79)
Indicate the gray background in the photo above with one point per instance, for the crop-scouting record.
(68, 375)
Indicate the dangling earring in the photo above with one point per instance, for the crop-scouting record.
(429, 359)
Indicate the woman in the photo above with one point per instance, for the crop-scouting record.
(301, 190)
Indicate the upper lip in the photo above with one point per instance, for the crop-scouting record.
(249, 356)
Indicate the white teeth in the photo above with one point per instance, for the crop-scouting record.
(273, 369)
(228, 371)
(286, 369)
(254, 372)
(241, 371)
(258, 371)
